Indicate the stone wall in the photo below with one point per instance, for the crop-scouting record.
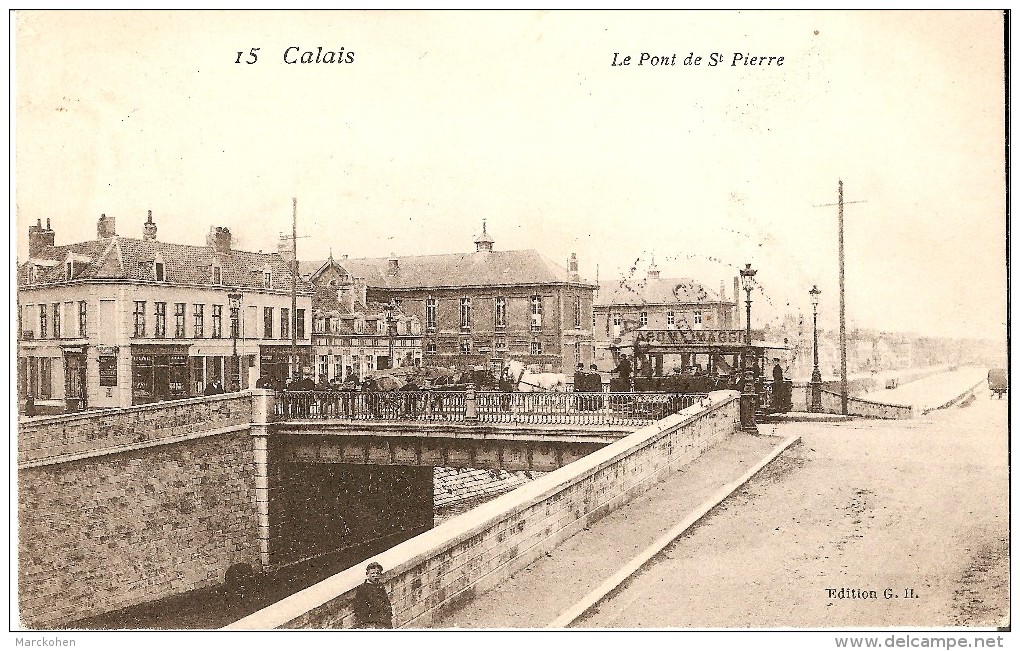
(101, 533)
(445, 567)
(832, 404)
(49, 439)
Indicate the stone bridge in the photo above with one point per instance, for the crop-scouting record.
(123, 506)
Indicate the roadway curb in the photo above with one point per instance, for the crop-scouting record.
(590, 600)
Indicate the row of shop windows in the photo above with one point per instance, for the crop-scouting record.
(670, 319)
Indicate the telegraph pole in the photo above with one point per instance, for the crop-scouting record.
(843, 381)
(293, 288)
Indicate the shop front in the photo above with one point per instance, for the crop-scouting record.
(159, 372)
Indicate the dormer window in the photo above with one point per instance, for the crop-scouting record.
(70, 269)
(217, 275)
(32, 273)
(157, 271)
(267, 277)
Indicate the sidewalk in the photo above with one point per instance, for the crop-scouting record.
(537, 595)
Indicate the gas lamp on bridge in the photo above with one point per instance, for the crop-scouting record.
(234, 300)
(816, 374)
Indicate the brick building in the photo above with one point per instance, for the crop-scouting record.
(351, 334)
(626, 308)
(473, 309)
(118, 321)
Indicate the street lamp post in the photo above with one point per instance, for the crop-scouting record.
(748, 397)
(390, 306)
(747, 279)
(235, 307)
(816, 375)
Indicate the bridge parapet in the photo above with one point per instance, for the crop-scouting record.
(444, 568)
(51, 439)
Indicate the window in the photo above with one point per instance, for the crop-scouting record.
(235, 322)
(500, 312)
(217, 275)
(300, 325)
(697, 317)
(83, 319)
(465, 313)
(465, 347)
(217, 321)
(536, 312)
(617, 320)
(500, 343)
(267, 323)
(267, 278)
(536, 348)
(577, 353)
(179, 320)
(160, 320)
(671, 318)
(284, 323)
(643, 317)
(44, 384)
(430, 349)
(157, 269)
(139, 318)
(70, 269)
(577, 312)
(430, 314)
(199, 320)
(56, 320)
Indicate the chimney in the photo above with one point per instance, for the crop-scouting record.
(736, 302)
(285, 249)
(106, 227)
(394, 266)
(572, 268)
(39, 238)
(219, 239)
(149, 229)
(360, 292)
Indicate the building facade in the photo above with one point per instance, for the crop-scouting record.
(476, 309)
(626, 308)
(352, 335)
(118, 321)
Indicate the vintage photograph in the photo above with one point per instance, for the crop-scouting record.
(684, 321)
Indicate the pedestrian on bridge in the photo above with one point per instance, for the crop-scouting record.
(372, 608)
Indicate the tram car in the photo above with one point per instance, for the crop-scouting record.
(700, 361)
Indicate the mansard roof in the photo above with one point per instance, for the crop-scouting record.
(656, 291)
(482, 268)
(127, 258)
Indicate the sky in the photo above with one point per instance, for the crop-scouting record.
(444, 119)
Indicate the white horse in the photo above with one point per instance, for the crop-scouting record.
(527, 382)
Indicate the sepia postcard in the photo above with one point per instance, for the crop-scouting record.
(690, 324)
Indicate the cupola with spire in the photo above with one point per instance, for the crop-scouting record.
(483, 242)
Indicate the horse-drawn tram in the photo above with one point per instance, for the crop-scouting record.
(699, 361)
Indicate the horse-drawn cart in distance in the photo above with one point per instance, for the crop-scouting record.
(998, 382)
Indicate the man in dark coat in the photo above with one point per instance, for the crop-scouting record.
(372, 608)
(624, 369)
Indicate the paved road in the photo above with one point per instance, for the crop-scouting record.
(917, 505)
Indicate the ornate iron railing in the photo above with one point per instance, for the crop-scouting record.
(483, 406)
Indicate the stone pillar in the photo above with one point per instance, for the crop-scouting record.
(748, 404)
(263, 408)
(471, 404)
